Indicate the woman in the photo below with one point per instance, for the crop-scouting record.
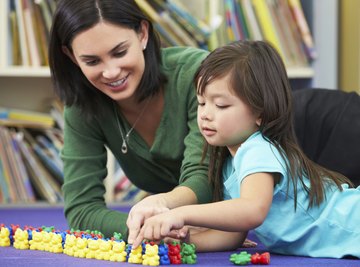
(123, 92)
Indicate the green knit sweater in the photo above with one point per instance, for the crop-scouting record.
(173, 159)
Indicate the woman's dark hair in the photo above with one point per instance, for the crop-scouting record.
(258, 77)
(73, 17)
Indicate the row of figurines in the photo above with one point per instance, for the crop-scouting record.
(93, 245)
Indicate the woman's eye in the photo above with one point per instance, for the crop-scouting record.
(91, 62)
(120, 54)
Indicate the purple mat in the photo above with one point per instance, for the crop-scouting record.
(37, 217)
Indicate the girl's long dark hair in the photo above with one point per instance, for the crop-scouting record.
(259, 78)
(73, 17)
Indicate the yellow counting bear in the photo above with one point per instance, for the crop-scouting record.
(21, 239)
(118, 252)
(4, 237)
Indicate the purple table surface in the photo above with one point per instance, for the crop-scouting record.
(53, 216)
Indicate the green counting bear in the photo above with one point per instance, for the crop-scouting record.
(188, 255)
(242, 258)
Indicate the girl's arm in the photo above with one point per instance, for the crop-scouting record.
(236, 215)
(215, 240)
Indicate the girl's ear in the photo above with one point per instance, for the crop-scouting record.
(144, 34)
(258, 122)
(67, 52)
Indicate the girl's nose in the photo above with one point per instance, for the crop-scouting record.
(204, 115)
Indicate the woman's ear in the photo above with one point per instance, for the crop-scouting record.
(67, 52)
(144, 34)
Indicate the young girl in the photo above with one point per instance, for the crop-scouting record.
(294, 206)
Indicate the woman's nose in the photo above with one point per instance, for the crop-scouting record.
(111, 72)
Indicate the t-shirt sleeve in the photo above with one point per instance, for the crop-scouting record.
(254, 156)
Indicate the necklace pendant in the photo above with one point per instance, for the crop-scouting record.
(124, 147)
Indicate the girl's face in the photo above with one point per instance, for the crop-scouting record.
(223, 118)
(111, 57)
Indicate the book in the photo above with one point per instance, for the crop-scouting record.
(5, 191)
(255, 32)
(172, 24)
(159, 25)
(266, 24)
(280, 30)
(4, 36)
(294, 35)
(42, 35)
(56, 137)
(24, 175)
(231, 29)
(23, 117)
(303, 27)
(239, 12)
(22, 33)
(30, 33)
(45, 185)
(49, 156)
(46, 13)
(15, 39)
(6, 167)
(181, 10)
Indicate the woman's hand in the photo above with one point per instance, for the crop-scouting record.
(144, 209)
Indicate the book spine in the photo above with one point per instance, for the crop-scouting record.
(4, 33)
(252, 22)
(266, 24)
(303, 26)
(22, 33)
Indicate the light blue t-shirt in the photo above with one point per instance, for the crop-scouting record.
(329, 230)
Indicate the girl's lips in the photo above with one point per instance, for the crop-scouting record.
(208, 131)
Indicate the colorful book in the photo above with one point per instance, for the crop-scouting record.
(30, 34)
(254, 28)
(15, 39)
(177, 7)
(6, 166)
(4, 36)
(22, 33)
(30, 194)
(303, 27)
(26, 116)
(44, 184)
(294, 35)
(266, 24)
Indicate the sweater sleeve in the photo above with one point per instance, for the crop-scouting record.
(193, 173)
(84, 157)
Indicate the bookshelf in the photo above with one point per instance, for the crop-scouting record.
(29, 87)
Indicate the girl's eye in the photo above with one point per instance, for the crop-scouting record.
(222, 106)
(201, 104)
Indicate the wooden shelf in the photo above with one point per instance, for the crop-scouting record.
(25, 71)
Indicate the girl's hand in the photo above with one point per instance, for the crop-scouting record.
(144, 209)
(160, 226)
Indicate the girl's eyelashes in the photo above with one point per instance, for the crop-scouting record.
(222, 106)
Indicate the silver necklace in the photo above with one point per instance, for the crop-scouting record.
(125, 138)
